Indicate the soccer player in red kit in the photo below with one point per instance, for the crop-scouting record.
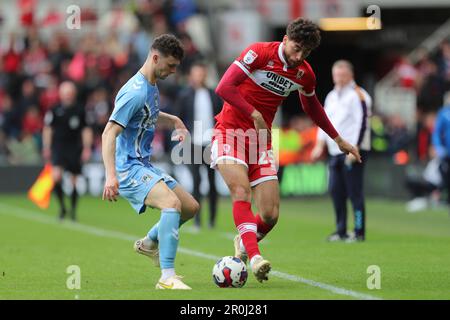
(252, 89)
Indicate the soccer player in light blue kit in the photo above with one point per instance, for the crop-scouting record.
(126, 150)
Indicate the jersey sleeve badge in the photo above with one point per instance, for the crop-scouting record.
(250, 57)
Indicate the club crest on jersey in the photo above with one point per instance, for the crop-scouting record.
(146, 178)
(250, 57)
(270, 64)
(300, 74)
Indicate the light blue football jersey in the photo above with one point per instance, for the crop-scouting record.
(136, 109)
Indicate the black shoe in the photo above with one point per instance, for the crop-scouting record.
(62, 213)
(335, 237)
(73, 215)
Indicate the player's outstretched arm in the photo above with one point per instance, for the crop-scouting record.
(316, 112)
(170, 120)
(111, 189)
(348, 149)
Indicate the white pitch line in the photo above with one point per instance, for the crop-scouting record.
(39, 217)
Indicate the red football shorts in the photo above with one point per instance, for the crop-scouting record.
(246, 148)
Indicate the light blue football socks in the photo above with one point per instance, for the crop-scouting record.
(168, 227)
(153, 233)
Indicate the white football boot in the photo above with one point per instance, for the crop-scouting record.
(172, 283)
(152, 251)
(260, 268)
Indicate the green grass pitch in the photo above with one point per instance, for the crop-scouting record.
(411, 250)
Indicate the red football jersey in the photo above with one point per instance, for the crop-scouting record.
(269, 82)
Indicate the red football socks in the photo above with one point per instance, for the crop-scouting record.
(262, 228)
(245, 223)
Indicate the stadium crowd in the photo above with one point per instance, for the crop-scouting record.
(32, 67)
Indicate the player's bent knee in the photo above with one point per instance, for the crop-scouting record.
(240, 193)
(172, 202)
(165, 200)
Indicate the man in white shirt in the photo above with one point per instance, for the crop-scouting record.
(197, 105)
(348, 107)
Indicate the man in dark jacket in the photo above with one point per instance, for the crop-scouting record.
(197, 105)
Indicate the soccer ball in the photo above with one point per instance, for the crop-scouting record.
(229, 272)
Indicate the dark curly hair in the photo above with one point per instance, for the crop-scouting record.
(169, 45)
(305, 32)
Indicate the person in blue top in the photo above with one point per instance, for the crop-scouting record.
(441, 142)
(126, 150)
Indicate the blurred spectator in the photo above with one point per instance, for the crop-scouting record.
(441, 142)
(57, 52)
(27, 9)
(424, 132)
(10, 119)
(3, 76)
(444, 63)
(197, 105)
(11, 58)
(424, 184)
(406, 73)
(191, 53)
(29, 97)
(430, 92)
(159, 25)
(119, 19)
(49, 96)
(181, 11)
(141, 42)
(35, 60)
(349, 108)
(399, 137)
(97, 113)
(32, 123)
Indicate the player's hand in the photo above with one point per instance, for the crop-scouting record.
(260, 124)
(180, 131)
(111, 189)
(350, 158)
(347, 148)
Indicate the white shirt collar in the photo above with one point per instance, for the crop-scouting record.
(281, 56)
